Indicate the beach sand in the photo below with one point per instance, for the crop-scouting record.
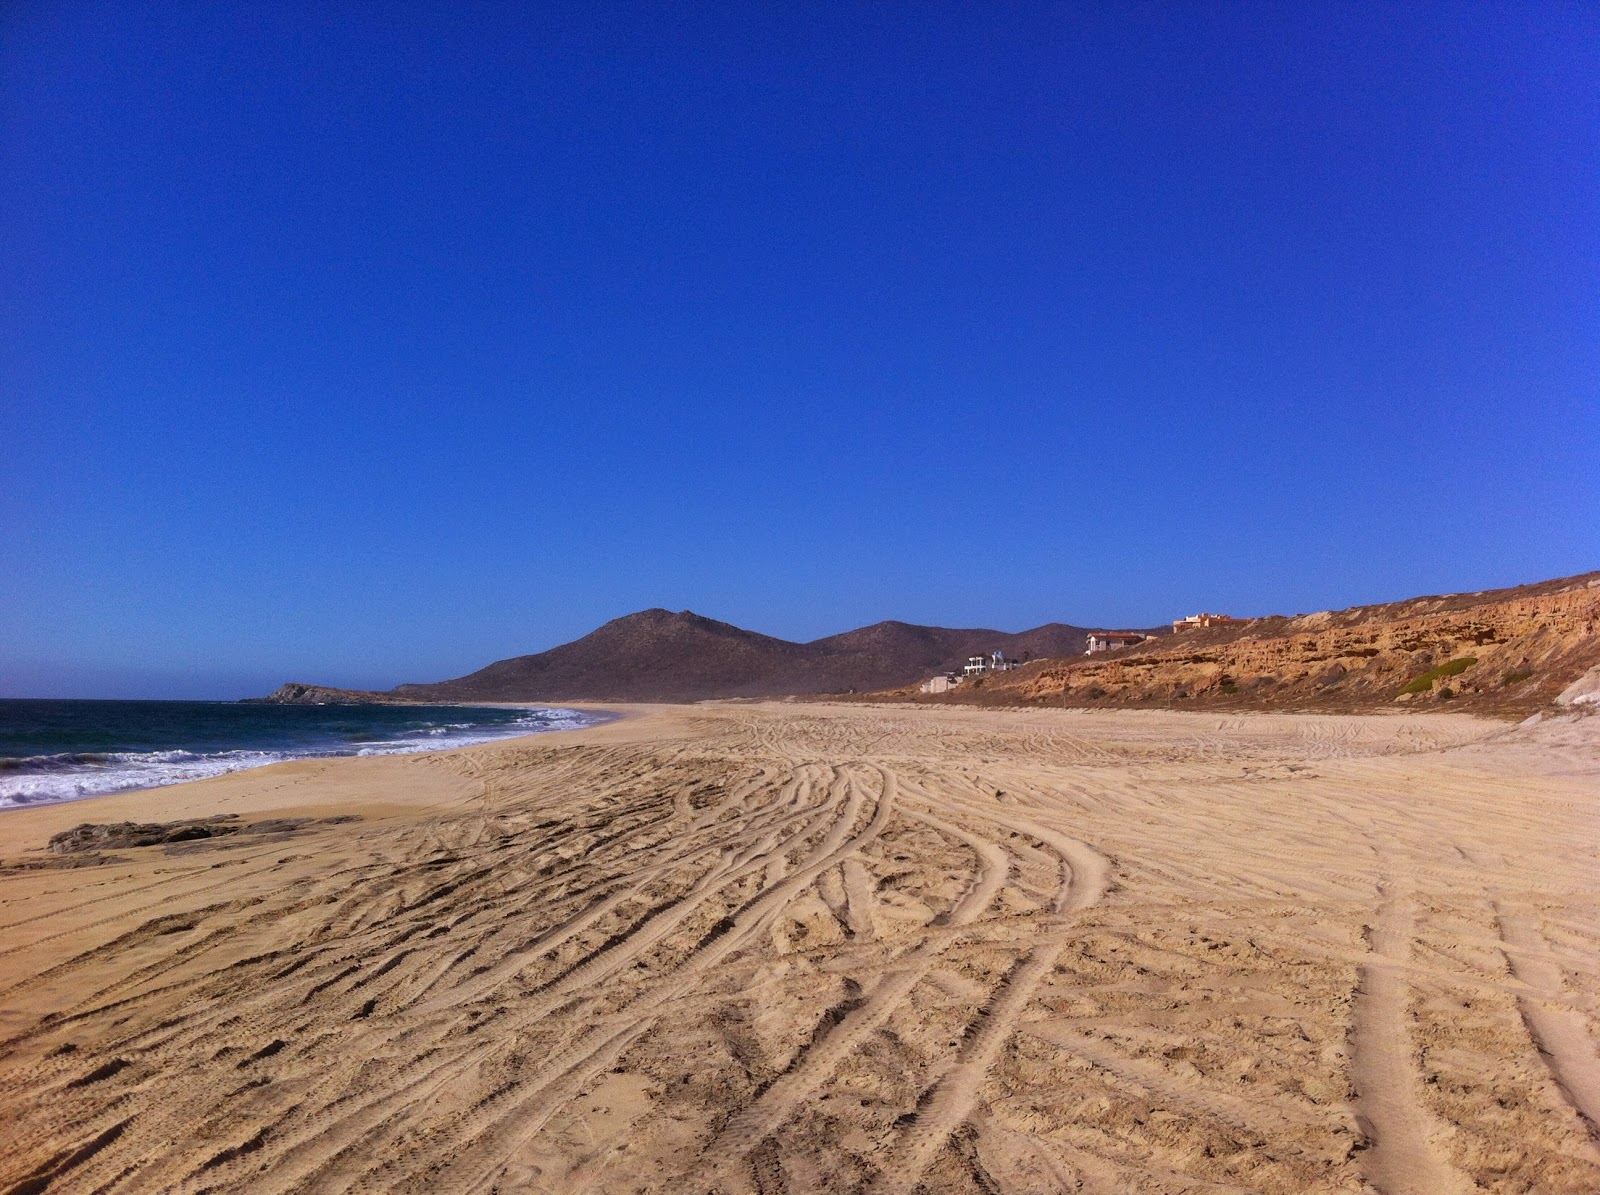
(788, 947)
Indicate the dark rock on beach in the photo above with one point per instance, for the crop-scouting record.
(90, 836)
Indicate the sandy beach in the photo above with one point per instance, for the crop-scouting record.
(786, 947)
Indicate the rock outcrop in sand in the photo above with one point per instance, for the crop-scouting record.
(812, 948)
(1583, 691)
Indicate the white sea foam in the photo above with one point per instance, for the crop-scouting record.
(49, 780)
(121, 771)
(465, 734)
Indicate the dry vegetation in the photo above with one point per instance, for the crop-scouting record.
(810, 948)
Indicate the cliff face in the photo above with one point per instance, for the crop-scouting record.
(1506, 651)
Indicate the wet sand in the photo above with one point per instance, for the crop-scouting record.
(826, 948)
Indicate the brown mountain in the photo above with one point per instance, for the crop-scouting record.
(1506, 651)
(654, 655)
(658, 655)
(916, 652)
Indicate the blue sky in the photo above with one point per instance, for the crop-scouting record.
(373, 343)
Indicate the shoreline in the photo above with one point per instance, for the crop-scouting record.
(594, 714)
(309, 785)
(329, 791)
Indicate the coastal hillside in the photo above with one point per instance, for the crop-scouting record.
(1501, 651)
(660, 655)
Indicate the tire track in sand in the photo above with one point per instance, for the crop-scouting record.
(1086, 875)
(399, 1033)
(1560, 1033)
(844, 1028)
(497, 1132)
(1403, 1159)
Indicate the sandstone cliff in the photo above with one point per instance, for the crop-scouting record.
(1505, 651)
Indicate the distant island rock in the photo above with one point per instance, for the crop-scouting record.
(298, 694)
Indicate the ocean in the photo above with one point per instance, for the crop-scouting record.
(53, 751)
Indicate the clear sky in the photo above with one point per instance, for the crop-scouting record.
(371, 342)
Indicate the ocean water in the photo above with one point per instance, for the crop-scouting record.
(54, 751)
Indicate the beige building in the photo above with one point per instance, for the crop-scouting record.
(1202, 620)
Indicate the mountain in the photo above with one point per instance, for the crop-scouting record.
(654, 655)
(916, 652)
(659, 655)
(1505, 651)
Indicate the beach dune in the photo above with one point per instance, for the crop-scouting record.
(787, 947)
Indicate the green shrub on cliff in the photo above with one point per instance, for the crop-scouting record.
(1456, 667)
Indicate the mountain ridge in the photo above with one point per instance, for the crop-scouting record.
(664, 655)
(1494, 651)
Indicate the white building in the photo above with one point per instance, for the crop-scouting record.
(940, 684)
(1106, 640)
(993, 662)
